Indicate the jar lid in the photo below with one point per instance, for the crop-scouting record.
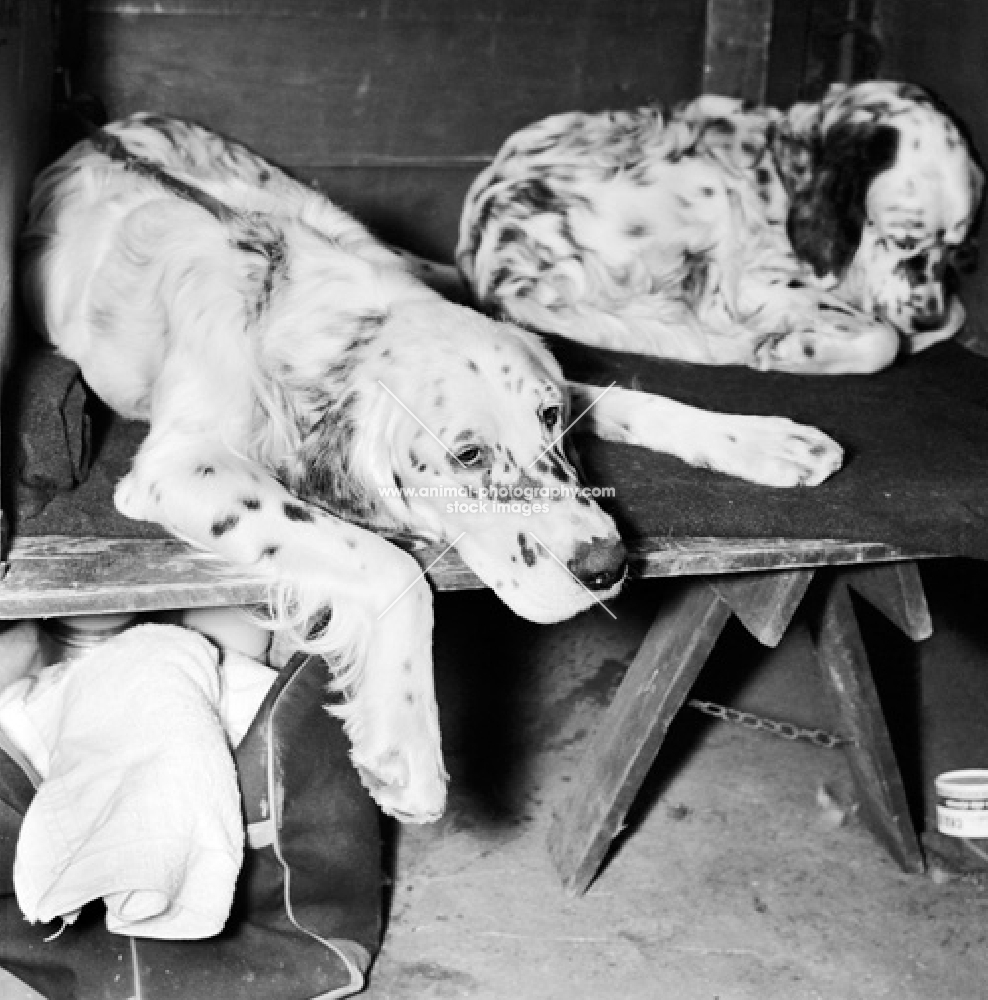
(970, 783)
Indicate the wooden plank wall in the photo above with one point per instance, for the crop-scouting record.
(25, 94)
(25, 102)
(736, 48)
(392, 107)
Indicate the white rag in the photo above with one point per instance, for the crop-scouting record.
(139, 802)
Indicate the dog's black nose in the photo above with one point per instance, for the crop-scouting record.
(599, 563)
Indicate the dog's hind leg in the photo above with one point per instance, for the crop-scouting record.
(772, 451)
(379, 637)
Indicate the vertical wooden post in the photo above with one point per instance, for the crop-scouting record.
(897, 591)
(26, 56)
(735, 56)
(634, 727)
(847, 676)
(631, 732)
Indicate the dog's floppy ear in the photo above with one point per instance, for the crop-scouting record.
(828, 213)
(324, 470)
(348, 463)
(333, 467)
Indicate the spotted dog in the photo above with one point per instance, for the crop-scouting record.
(815, 240)
(311, 400)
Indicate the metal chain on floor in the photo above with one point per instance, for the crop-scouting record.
(784, 730)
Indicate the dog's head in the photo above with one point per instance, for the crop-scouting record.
(885, 191)
(450, 428)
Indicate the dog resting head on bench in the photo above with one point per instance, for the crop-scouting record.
(808, 241)
(309, 398)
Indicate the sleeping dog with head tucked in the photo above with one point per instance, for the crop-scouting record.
(310, 400)
(817, 240)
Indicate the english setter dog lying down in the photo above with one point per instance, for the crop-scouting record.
(295, 374)
(815, 240)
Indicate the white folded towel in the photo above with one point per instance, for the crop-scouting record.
(139, 802)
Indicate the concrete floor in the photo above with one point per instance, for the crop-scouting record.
(731, 881)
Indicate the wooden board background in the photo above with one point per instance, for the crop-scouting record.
(25, 96)
(393, 107)
(25, 90)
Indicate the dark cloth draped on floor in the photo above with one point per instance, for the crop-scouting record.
(915, 437)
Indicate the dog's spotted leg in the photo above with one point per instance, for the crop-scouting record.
(772, 451)
(810, 331)
(380, 631)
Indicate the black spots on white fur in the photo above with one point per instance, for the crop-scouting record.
(251, 503)
(205, 471)
(270, 551)
(528, 554)
(696, 273)
(637, 230)
(372, 321)
(915, 270)
(472, 366)
(298, 512)
(222, 525)
(269, 247)
(536, 196)
(160, 124)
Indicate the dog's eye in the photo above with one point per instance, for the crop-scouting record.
(550, 417)
(470, 456)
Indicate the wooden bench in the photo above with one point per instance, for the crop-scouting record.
(762, 582)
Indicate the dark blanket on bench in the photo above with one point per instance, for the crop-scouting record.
(916, 453)
(915, 438)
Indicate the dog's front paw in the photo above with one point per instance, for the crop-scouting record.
(406, 781)
(775, 451)
(397, 749)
